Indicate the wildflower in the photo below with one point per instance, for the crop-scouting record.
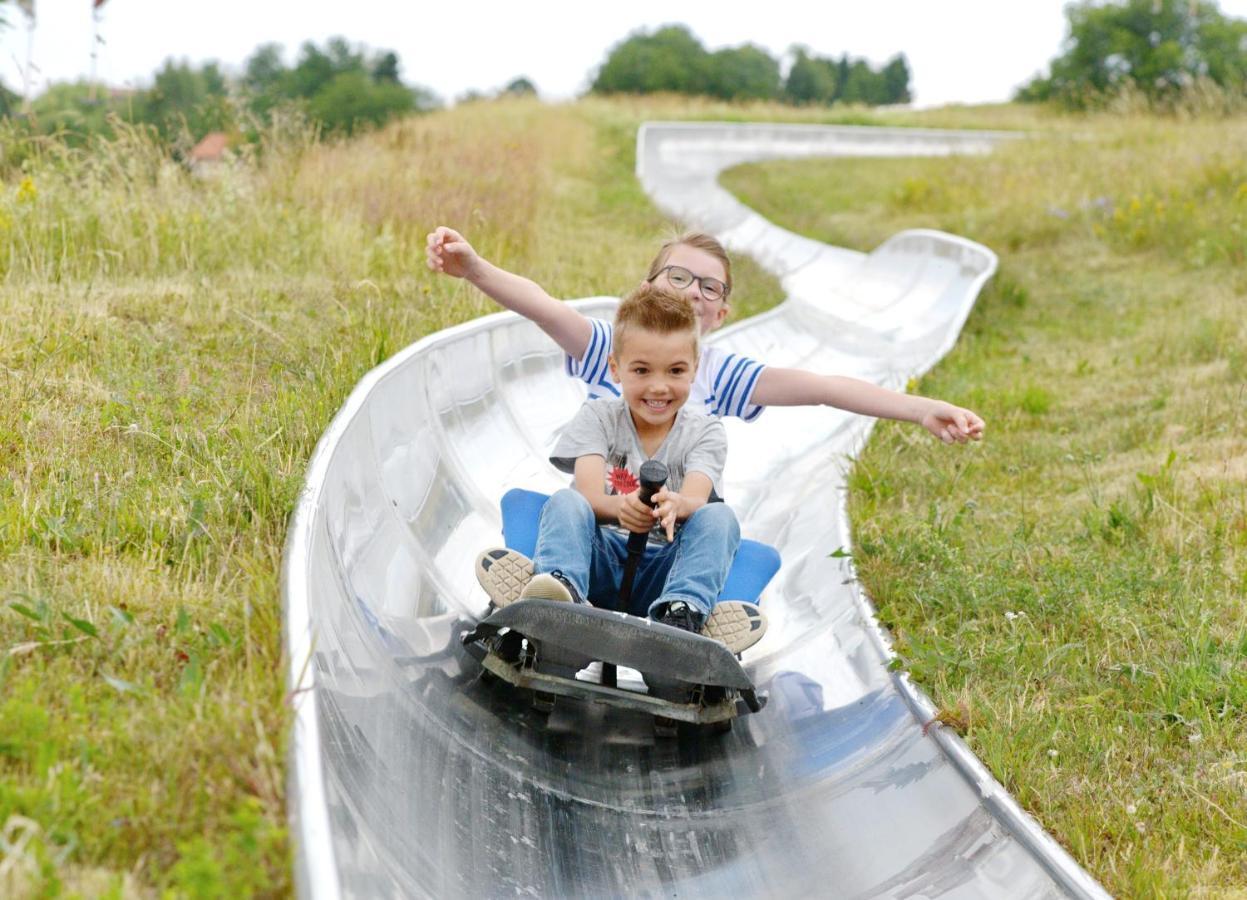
(1052, 753)
(26, 190)
(1194, 737)
(1131, 809)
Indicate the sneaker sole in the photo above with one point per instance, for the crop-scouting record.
(503, 574)
(546, 587)
(736, 624)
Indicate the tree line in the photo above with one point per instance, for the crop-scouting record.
(672, 59)
(340, 87)
(1156, 48)
(1159, 49)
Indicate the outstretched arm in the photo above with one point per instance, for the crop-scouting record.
(795, 387)
(447, 251)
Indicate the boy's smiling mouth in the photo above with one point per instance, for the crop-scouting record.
(657, 405)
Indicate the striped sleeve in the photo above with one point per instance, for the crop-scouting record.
(733, 382)
(594, 367)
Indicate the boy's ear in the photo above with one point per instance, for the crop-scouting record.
(724, 311)
(614, 368)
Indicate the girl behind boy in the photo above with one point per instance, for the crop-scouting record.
(697, 266)
(582, 539)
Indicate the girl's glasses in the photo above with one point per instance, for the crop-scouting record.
(680, 278)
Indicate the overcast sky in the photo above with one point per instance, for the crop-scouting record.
(959, 50)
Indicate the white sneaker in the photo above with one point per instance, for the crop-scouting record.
(503, 574)
(550, 586)
(736, 624)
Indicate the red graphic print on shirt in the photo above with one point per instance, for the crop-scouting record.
(622, 481)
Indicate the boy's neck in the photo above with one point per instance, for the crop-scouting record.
(651, 436)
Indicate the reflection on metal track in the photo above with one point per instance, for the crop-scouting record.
(411, 776)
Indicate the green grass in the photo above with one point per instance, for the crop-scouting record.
(170, 351)
(1070, 591)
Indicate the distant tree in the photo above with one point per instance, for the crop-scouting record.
(264, 69)
(263, 79)
(521, 87)
(670, 59)
(742, 73)
(811, 79)
(313, 70)
(341, 86)
(68, 109)
(896, 80)
(1154, 46)
(185, 97)
(842, 76)
(385, 68)
(864, 85)
(352, 100)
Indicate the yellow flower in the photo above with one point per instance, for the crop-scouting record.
(26, 191)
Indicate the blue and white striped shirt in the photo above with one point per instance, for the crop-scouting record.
(723, 385)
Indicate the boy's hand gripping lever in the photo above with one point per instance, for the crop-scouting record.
(653, 477)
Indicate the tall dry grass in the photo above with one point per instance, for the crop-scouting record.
(171, 348)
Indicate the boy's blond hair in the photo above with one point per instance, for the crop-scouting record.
(698, 240)
(656, 309)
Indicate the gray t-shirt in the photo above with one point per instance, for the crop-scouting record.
(696, 443)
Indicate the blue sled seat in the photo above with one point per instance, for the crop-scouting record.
(752, 569)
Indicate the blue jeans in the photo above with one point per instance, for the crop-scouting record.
(692, 568)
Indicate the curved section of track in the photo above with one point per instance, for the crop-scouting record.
(410, 777)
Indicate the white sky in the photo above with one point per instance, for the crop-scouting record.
(958, 50)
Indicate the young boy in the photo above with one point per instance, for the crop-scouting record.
(693, 536)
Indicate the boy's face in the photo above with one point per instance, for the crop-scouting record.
(710, 313)
(655, 372)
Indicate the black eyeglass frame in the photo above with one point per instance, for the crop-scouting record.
(700, 279)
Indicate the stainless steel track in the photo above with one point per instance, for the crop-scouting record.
(411, 778)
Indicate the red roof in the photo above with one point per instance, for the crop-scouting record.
(211, 148)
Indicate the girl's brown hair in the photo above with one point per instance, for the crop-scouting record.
(698, 240)
(657, 309)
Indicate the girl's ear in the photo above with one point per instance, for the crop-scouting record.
(724, 311)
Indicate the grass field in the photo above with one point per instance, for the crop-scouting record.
(1071, 592)
(171, 349)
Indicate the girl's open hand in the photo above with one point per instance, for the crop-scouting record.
(635, 515)
(448, 252)
(952, 424)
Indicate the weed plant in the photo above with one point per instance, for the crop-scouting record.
(1070, 592)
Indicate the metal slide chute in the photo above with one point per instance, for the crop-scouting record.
(412, 777)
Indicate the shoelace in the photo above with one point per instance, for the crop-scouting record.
(680, 615)
(567, 584)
